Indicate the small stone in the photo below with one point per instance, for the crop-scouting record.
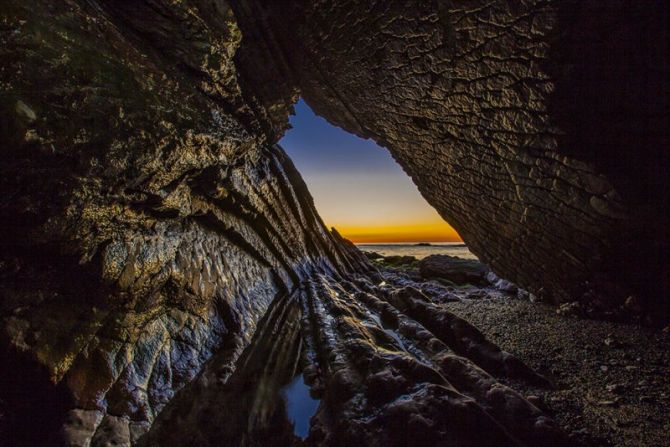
(477, 294)
(501, 284)
(535, 400)
(22, 109)
(608, 403)
(572, 308)
(610, 341)
(633, 304)
(615, 388)
(604, 368)
(31, 136)
(578, 433)
(607, 208)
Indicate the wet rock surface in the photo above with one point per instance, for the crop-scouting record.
(237, 399)
(163, 266)
(388, 364)
(609, 380)
(146, 217)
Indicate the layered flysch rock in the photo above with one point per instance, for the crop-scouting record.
(146, 215)
(158, 248)
(538, 129)
(389, 367)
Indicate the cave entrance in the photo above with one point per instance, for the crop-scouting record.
(359, 189)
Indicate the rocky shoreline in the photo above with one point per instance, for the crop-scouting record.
(156, 242)
(610, 385)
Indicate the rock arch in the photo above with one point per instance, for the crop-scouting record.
(539, 129)
(148, 220)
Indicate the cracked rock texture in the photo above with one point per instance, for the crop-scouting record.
(389, 366)
(151, 229)
(537, 128)
(146, 214)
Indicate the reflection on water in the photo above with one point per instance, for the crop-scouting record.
(265, 402)
(300, 406)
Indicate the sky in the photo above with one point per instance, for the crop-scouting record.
(357, 186)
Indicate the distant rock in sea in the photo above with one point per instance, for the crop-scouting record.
(423, 244)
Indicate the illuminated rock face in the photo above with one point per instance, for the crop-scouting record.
(148, 220)
(147, 217)
(537, 129)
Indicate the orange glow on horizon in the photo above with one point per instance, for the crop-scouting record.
(420, 232)
(358, 188)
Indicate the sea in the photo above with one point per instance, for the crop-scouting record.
(420, 250)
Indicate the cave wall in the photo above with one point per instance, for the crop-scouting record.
(148, 220)
(147, 217)
(538, 129)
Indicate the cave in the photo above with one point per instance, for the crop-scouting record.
(161, 252)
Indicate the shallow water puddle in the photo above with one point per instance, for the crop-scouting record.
(267, 394)
(300, 406)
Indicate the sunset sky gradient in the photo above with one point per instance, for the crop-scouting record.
(357, 187)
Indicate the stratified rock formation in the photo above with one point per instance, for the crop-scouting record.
(155, 239)
(388, 366)
(146, 214)
(538, 129)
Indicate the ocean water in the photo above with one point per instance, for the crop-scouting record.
(419, 251)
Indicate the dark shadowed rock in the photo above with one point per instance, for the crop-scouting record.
(399, 260)
(147, 218)
(454, 269)
(150, 227)
(543, 143)
(501, 284)
(372, 255)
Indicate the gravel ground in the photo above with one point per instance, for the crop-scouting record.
(612, 380)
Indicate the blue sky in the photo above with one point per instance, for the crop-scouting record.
(357, 186)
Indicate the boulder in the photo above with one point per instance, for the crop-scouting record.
(398, 260)
(372, 255)
(454, 269)
(502, 284)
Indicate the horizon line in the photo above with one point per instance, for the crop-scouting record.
(408, 242)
